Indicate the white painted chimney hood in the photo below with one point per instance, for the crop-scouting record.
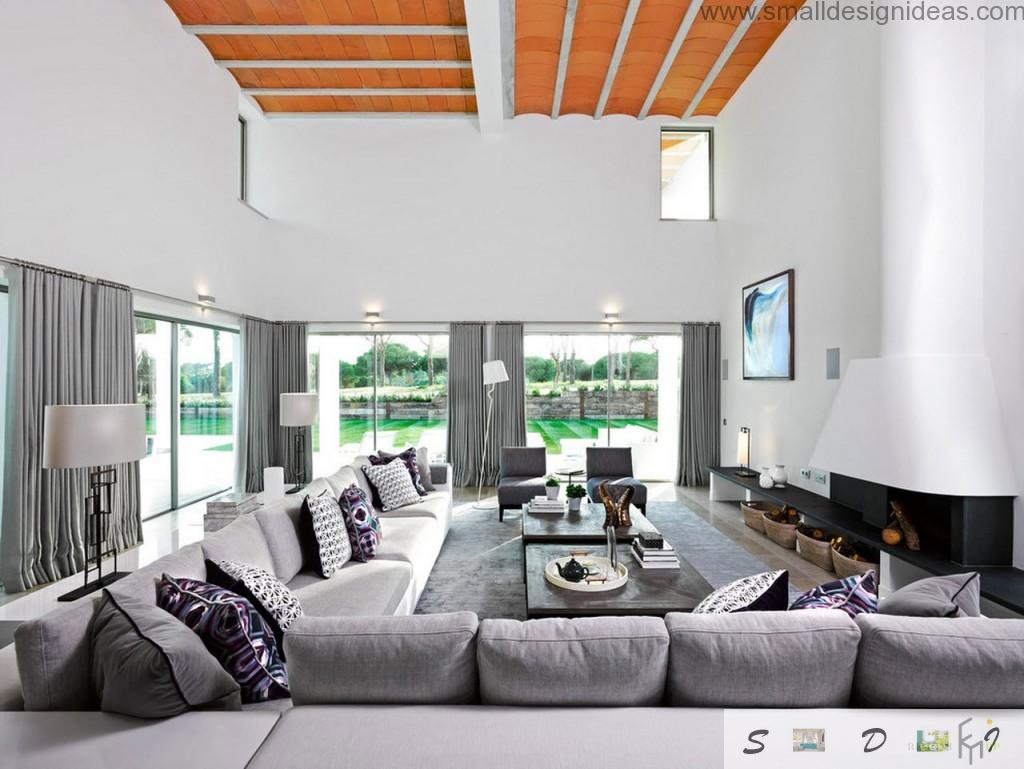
(929, 423)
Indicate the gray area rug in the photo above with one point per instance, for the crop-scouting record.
(480, 568)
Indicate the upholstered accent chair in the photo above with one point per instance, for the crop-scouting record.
(614, 465)
(521, 475)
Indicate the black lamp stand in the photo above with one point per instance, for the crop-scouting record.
(299, 469)
(99, 506)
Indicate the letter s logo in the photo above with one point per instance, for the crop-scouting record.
(753, 738)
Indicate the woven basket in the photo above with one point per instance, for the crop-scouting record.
(847, 567)
(816, 551)
(753, 514)
(782, 534)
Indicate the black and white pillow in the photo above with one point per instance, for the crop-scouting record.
(393, 485)
(762, 592)
(270, 597)
(329, 548)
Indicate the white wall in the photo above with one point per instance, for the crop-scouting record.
(119, 152)
(429, 220)
(797, 157)
(1004, 236)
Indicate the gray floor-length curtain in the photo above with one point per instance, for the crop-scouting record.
(114, 378)
(701, 403)
(71, 342)
(273, 362)
(508, 427)
(466, 401)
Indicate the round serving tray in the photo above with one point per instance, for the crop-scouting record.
(595, 564)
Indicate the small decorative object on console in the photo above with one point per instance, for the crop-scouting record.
(764, 480)
(779, 476)
(616, 510)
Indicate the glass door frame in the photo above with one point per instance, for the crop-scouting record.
(175, 390)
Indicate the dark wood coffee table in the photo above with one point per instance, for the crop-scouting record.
(586, 526)
(650, 592)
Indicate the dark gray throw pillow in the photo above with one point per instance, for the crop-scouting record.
(146, 663)
(954, 595)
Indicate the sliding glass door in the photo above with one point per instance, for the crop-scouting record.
(604, 390)
(383, 391)
(185, 378)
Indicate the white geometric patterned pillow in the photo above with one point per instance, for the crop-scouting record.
(762, 592)
(393, 484)
(268, 595)
(332, 546)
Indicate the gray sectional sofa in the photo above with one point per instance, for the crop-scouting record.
(53, 651)
(447, 690)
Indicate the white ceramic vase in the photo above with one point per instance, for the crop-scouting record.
(779, 475)
(764, 480)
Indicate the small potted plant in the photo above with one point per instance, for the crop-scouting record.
(551, 486)
(575, 493)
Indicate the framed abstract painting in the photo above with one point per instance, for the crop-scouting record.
(768, 328)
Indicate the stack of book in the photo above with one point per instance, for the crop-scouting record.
(545, 505)
(654, 554)
(222, 510)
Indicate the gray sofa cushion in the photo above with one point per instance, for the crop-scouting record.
(53, 650)
(952, 595)
(928, 662)
(374, 589)
(609, 462)
(242, 541)
(280, 524)
(522, 462)
(772, 659)
(434, 505)
(422, 659)
(145, 663)
(473, 737)
(600, 661)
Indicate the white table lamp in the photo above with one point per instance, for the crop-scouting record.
(299, 410)
(494, 373)
(94, 436)
(743, 453)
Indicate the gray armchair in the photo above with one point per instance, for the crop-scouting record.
(521, 476)
(614, 465)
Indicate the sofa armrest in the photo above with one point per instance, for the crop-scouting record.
(10, 681)
(441, 476)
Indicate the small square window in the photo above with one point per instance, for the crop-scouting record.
(687, 188)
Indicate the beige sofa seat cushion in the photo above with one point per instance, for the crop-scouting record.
(375, 588)
(435, 505)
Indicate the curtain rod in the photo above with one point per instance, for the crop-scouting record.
(64, 273)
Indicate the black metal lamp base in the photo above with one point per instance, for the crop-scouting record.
(92, 587)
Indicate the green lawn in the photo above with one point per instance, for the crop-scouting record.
(555, 430)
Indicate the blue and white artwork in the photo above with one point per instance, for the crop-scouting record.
(768, 328)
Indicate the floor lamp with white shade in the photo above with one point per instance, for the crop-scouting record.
(98, 437)
(494, 373)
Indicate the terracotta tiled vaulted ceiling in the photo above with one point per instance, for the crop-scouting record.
(340, 56)
(681, 58)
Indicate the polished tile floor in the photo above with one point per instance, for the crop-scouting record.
(170, 531)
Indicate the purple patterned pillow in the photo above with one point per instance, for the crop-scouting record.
(408, 458)
(361, 522)
(854, 595)
(233, 631)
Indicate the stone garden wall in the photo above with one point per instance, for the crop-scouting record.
(633, 404)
